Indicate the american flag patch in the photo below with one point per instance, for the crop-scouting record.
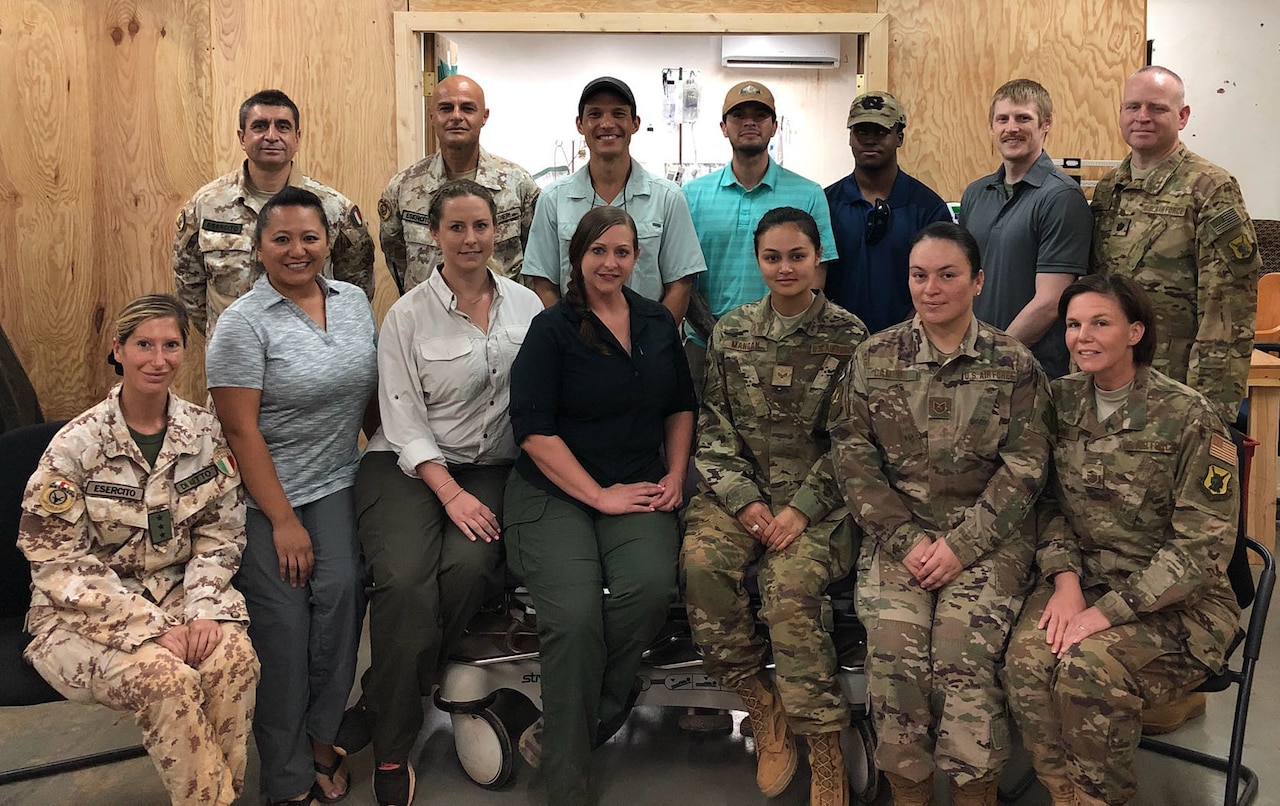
(1225, 221)
(1223, 449)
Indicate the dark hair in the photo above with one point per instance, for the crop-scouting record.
(594, 224)
(289, 196)
(789, 215)
(144, 309)
(1133, 301)
(456, 189)
(268, 98)
(956, 234)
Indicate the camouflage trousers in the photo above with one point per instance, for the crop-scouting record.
(933, 659)
(794, 606)
(195, 721)
(1081, 716)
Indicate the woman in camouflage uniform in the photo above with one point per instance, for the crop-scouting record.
(942, 442)
(134, 525)
(772, 367)
(1133, 607)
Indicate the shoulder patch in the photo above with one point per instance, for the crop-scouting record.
(1217, 482)
(225, 462)
(227, 227)
(357, 220)
(384, 209)
(59, 495)
(181, 223)
(413, 218)
(1223, 449)
(1242, 248)
(1225, 221)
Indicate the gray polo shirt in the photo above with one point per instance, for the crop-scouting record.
(315, 381)
(1045, 227)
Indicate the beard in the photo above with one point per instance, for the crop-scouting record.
(751, 150)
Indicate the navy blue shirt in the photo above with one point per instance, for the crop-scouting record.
(871, 279)
(611, 409)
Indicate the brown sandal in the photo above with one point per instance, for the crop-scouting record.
(331, 771)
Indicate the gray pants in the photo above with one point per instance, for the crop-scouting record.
(306, 639)
(427, 581)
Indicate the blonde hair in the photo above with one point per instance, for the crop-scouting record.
(1023, 91)
(152, 306)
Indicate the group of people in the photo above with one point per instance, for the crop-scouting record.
(531, 394)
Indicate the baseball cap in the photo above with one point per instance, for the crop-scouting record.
(876, 107)
(748, 92)
(609, 84)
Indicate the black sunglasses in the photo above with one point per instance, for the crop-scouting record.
(877, 222)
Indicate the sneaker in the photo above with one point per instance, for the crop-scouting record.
(393, 784)
(531, 744)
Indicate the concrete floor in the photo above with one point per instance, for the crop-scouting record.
(651, 762)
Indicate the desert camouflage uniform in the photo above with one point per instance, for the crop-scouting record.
(213, 262)
(103, 591)
(1143, 508)
(928, 446)
(411, 252)
(1183, 234)
(763, 437)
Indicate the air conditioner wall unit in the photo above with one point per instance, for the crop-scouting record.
(808, 51)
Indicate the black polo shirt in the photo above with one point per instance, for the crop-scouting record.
(609, 409)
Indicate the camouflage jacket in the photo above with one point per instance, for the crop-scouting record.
(1183, 234)
(933, 447)
(411, 252)
(213, 261)
(1144, 505)
(762, 429)
(93, 512)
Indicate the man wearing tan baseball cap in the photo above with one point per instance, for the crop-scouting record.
(727, 204)
(875, 212)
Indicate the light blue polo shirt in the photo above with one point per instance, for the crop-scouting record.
(725, 216)
(668, 243)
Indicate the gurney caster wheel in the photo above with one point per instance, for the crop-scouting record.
(485, 740)
(858, 742)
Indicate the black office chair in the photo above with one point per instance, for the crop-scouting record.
(1232, 765)
(20, 451)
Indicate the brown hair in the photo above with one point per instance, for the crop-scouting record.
(595, 223)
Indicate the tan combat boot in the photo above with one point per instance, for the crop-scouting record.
(775, 745)
(982, 792)
(1172, 715)
(829, 785)
(910, 793)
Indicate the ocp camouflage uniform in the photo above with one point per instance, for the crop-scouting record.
(411, 252)
(120, 554)
(928, 446)
(1183, 234)
(213, 260)
(1143, 507)
(762, 436)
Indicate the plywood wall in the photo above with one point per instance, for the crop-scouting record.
(115, 111)
(947, 57)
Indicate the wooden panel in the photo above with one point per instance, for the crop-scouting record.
(947, 57)
(661, 6)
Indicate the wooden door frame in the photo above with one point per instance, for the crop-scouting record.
(411, 135)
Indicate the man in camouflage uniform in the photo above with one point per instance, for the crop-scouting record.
(129, 560)
(1140, 518)
(457, 114)
(763, 452)
(213, 260)
(933, 447)
(1176, 223)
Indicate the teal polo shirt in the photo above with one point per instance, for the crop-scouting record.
(668, 244)
(725, 216)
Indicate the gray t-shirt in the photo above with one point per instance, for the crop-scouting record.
(1045, 227)
(315, 382)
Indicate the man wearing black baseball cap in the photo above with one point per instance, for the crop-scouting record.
(669, 251)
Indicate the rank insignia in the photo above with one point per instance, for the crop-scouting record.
(225, 462)
(59, 495)
(782, 375)
(939, 408)
(1217, 482)
(384, 209)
